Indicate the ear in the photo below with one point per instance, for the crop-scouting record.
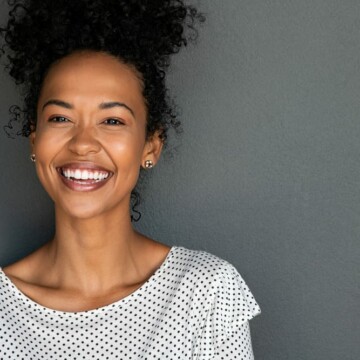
(152, 149)
(32, 140)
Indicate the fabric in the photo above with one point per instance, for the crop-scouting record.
(196, 306)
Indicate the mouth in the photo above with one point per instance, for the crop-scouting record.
(83, 177)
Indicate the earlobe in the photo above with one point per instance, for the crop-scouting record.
(152, 151)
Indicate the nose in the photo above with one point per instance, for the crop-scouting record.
(84, 142)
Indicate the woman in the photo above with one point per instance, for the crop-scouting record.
(96, 111)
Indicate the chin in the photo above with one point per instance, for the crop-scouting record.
(86, 209)
(79, 212)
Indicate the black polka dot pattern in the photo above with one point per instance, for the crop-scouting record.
(195, 306)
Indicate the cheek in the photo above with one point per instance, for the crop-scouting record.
(44, 147)
(125, 153)
(47, 140)
(47, 145)
(126, 145)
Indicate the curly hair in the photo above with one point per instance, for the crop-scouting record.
(141, 33)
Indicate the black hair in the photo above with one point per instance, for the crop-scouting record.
(141, 33)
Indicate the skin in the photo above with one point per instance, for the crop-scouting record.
(95, 257)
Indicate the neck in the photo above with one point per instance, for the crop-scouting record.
(94, 254)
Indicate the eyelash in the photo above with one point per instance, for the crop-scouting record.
(64, 119)
(118, 122)
(111, 121)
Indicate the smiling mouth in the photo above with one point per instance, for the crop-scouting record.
(80, 174)
(83, 179)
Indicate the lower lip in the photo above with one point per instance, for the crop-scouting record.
(83, 185)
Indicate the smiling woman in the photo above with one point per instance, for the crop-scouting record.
(91, 132)
(96, 112)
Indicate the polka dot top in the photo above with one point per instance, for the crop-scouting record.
(195, 306)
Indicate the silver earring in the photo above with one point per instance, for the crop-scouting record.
(149, 164)
(33, 157)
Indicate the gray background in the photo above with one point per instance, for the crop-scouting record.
(266, 174)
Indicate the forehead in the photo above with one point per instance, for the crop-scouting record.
(93, 77)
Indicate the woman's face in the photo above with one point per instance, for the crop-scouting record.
(90, 139)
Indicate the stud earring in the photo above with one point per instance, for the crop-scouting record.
(149, 164)
(33, 157)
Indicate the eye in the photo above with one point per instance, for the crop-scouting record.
(58, 119)
(113, 121)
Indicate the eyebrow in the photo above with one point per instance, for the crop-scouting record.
(112, 104)
(102, 106)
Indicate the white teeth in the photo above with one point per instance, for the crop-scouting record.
(78, 174)
(84, 175)
(67, 173)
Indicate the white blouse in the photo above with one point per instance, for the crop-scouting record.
(195, 306)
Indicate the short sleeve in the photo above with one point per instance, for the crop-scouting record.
(237, 346)
(226, 332)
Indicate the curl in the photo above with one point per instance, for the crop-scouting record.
(143, 33)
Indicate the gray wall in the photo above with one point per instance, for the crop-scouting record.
(266, 174)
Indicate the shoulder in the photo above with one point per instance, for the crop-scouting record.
(198, 258)
(28, 268)
(200, 263)
(211, 274)
(214, 285)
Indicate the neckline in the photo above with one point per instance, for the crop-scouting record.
(41, 308)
